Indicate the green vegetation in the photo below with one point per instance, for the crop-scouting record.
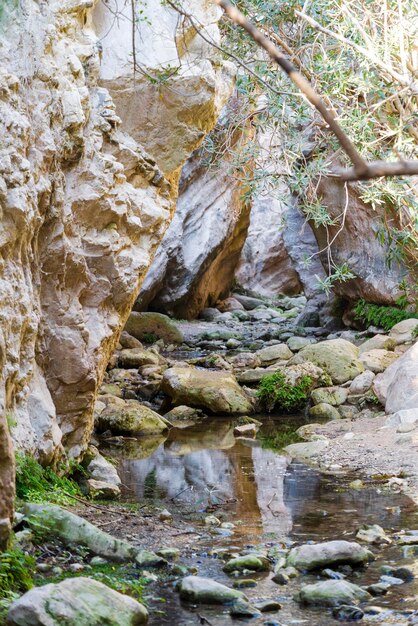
(415, 331)
(383, 316)
(274, 391)
(16, 571)
(149, 337)
(280, 439)
(35, 483)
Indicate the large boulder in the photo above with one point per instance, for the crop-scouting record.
(378, 360)
(397, 387)
(129, 417)
(206, 591)
(74, 531)
(338, 357)
(404, 331)
(378, 342)
(218, 392)
(328, 554)
(148, 325)
(333, 593)
(76, 602)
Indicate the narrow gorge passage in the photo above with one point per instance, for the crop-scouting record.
(208, 332)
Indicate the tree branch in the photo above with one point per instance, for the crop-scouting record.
(378, 169)
(236, 16)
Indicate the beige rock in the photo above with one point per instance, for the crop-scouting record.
(324, 411)
(378, 342)
(101, 489)
(331, 395)
(338, 357)
(141, 325)
(230, 304)
(218, 392)
(397, 386)
(377, 360)
(129, 417)
(245, 360)
(271, 354)
(136, 357)
(403, 331)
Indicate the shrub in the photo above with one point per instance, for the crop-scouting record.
(16, 569)
(274, 391)
(383, 316)
(35, 483)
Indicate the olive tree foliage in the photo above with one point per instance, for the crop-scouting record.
(361, 56)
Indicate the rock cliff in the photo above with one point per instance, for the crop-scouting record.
(90, 154)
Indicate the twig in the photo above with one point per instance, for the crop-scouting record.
(204, 620)
(377, 169)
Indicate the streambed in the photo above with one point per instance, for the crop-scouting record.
(273, 501)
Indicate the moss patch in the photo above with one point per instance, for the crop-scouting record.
(274, 391)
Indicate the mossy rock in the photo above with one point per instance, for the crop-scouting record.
(129, 417)
(338, 357)
(142, 326)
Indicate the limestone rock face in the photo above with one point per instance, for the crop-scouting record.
(84, 205)
(83, 202)
(76, 602)
(195, 264)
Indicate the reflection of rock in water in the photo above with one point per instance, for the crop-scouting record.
(269, 474)
(203, 477)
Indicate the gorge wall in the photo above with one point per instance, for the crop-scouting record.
(90, 156)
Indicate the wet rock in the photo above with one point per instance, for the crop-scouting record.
(271, 354)
(218, 392)
(362, 383)
(313, 556)
(378, 589)
(332, 593)
(244, 609)
(267, 606)
(378, 342)
(204, 590)
(391, 580)
(246, 430)
(136, 357)
(324, 411)
(404, 573)
(142, 325)
(76, 602)
(330, 395)
(244, 583)
(129, 417)
(251, 562)
(378, 360)
(281, 578)
(306, 450)
(346, 613)
(373, 534)
(73, 530)
(330, 573)
(183, 416)
(165, 516)
(338, 357)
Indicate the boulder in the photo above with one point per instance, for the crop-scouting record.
(230, 304)
(249, 303)
(297, 343)
(332, 593)
(331, 395)
(218, 392)
(146, 325)
(100, 489)
(328, 553)
(130, 418)
(206, 591)
(136, 357)
(378, 342)
(404, 331)
(361, 383)
(184, 416)
(397, 387)
(101, 469)
(378, 360)
(127, 341)
(271, 354)
(338, 357)
(75, 531)
(245, 360)
(76, 602)
(253, 562)
(323, 410)
(307, 450)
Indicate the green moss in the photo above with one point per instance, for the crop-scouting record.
(35, 483)
(383, 316)
(274, 391)
(149, 338)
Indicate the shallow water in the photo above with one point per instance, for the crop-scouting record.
(273, 501)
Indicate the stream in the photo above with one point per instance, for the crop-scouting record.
(272, 501)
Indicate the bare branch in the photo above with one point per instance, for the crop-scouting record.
(378, 169)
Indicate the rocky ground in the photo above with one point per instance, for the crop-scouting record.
(168, 374)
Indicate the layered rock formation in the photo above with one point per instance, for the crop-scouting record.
(195, 264)
(83, 203)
